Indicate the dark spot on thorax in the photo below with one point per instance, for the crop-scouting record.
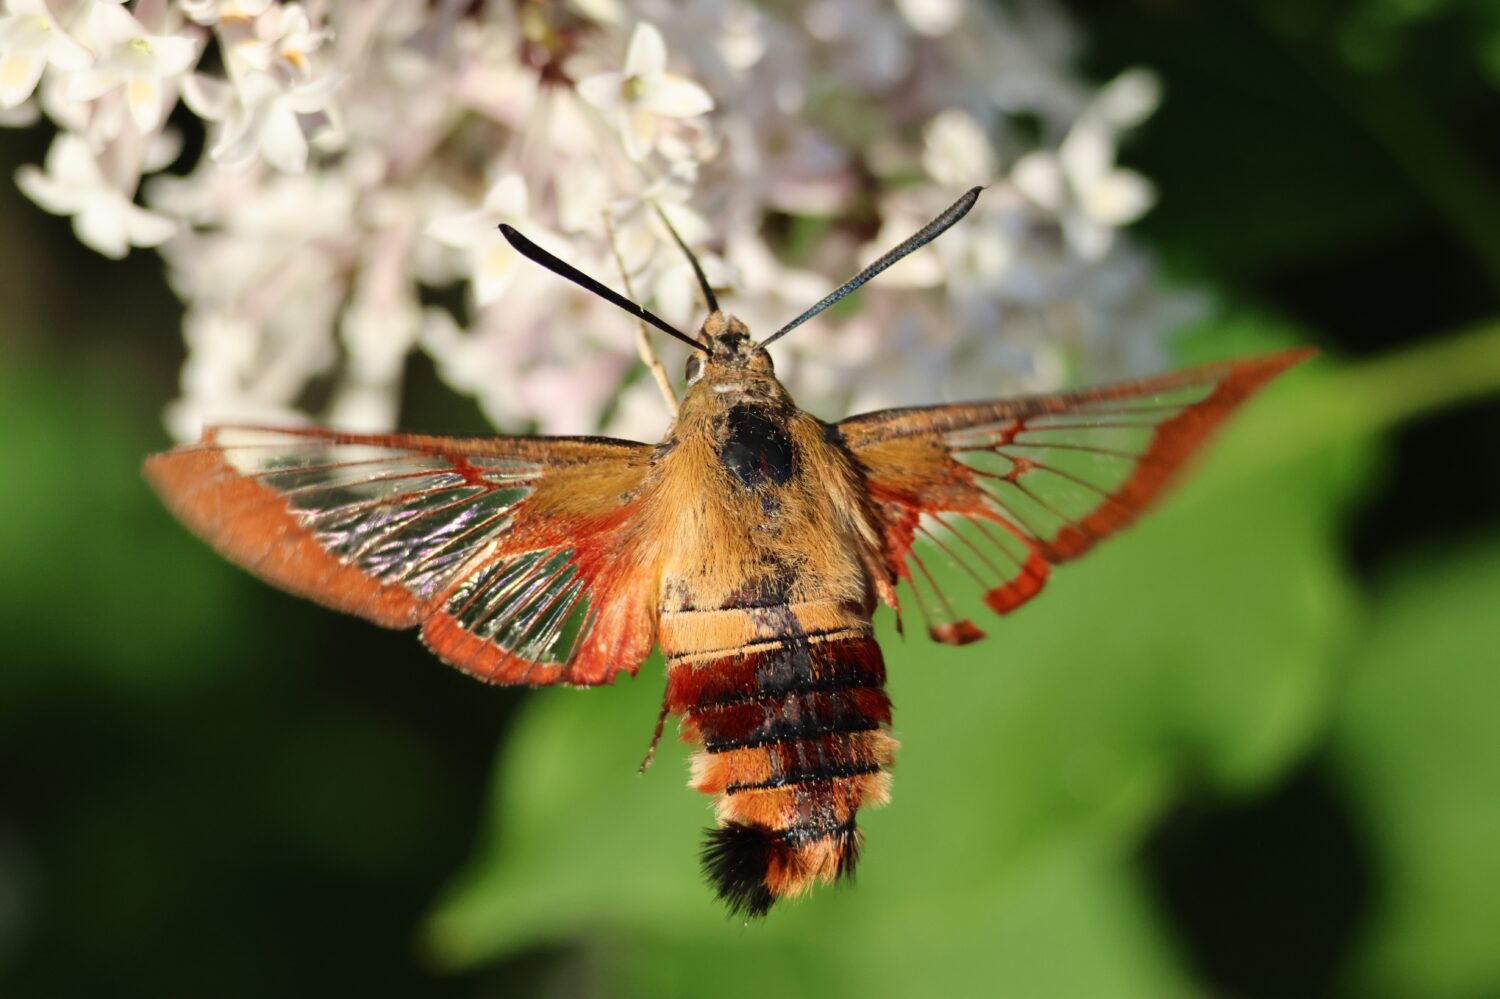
(757, 449)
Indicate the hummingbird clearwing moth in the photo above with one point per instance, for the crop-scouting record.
(752, 545)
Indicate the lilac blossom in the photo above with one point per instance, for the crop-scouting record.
(360, 156)
(30, 39)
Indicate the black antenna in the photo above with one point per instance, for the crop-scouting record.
(928, 233)
(531, 251)
(708, 293)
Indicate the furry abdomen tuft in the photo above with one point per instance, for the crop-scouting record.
(792, 729)
(736, 860)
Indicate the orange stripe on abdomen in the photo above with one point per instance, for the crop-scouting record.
(793, 741)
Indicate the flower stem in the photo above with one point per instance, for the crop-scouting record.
(642, 334)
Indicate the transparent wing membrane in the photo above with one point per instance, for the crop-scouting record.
(412, 518)
(1062, 480)
(409, 529)
(1004, 490)
(533, 606)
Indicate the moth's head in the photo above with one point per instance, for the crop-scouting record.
(726, 346)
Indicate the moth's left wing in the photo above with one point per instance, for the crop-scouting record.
(1009, 488)
(511, 553)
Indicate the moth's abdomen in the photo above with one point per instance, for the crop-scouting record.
(789, 708)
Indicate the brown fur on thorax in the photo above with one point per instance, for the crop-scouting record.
(812, 532)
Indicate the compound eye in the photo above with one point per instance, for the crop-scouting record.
(694, 368)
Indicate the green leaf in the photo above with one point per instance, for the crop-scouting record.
(1417, 741)
(85, 546)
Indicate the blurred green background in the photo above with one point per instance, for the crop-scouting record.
(1249, 749)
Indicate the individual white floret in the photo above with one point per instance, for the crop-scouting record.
(643, 93)
(30, 40)
(103, 216)
(143, 64)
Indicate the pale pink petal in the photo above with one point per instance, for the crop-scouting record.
(207, 97)
(639, 134)
(1087, 153)
(147, 228)
(29, 8)
(250, 54)
(931, 17)
(175, 55)
(71, 161)
(14, 34)
(367, 405)
(378, 330)
(1119, 198)
(111, 25)
(507, 198)
(690, 225)
(1039, 177)
(463, 231)
(494, 271)
(65, 53)
(47, 192)
(18, 76)
(1088, 239)
(604, 11)
(102, 226)
(676, 293)
(201, 11)
(956, 151)
(602, 90)
(647, 55)
(237, 141)
(1129, 98)
(676, 98)
(143, 97)
(281, 140)
(588, 192)
(257, 88)
(92, 83)
(162, 150)
(313, 96)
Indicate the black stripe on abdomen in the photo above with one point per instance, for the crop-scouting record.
(792, 737)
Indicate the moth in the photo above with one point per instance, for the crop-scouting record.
(751, 545)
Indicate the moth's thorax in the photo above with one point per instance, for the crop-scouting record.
(706, 404)
(766, 502)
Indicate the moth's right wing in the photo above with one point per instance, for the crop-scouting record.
(1006, 489)
(511, 553)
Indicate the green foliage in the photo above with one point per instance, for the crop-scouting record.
(75, 468)
(1417, 742)
(210, 788)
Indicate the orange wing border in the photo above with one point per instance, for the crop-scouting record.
(911, 462)
(577, 496)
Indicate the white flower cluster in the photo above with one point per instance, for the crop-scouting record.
(360, 155)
